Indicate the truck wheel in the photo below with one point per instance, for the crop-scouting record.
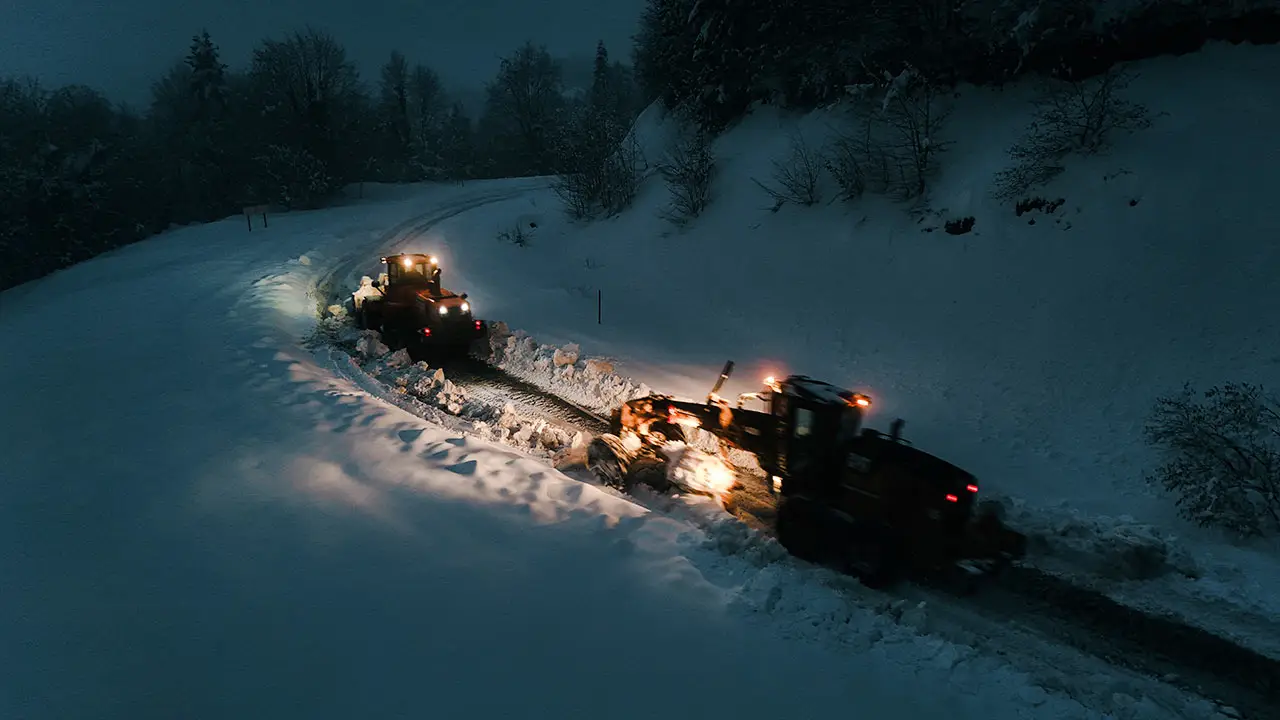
(609, 461)
(797, 526)
(669, 432)
(648, 470)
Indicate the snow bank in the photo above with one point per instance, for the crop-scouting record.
(588, 382)
(400, 375)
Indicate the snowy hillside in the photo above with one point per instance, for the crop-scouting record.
(1029, 350)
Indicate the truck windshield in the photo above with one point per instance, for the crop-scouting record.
(850, 424)
(417, 270)
(811, 439)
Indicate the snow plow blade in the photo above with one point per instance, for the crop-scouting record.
(625, 463)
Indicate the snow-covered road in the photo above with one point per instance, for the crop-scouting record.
(200, 520)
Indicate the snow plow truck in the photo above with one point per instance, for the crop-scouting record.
(412, 310)
(862, 501)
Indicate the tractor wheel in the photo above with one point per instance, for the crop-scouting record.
(362, 322)
(648, 470)
(609, 461)
(798, 529)
(661, 433)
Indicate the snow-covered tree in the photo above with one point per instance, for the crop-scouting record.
(458, 150)
(428, 112)
(523, 110)
(311, 91)
(393, 126)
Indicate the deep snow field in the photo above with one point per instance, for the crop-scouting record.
(1029, 350)
(208, 517)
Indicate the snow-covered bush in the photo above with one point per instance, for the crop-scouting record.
(602, 170)
(688, 170)
(798, 178)
(1071, 117)
(915, 112)
(846, 161)
(893, 138)
(516, 235)
(1222, 456)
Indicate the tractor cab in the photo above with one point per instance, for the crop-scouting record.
(413, 270)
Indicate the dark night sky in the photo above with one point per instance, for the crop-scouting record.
(121, 46)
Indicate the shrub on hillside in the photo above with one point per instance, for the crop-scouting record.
(798, 178)
(688, 170)
(516, 236)
(892, 141)
(601, 173)
(1072, 116)
(915, 111)
(1222, 456)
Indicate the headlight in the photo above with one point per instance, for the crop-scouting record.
(444, 310)
(466, 307)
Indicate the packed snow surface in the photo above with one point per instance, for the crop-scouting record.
(204, 519)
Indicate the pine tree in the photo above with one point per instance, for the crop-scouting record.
(208, 83)
(200, 138)
(393, 126)
(458, 145)
(601, 97)
(427, 117)
(664, 52)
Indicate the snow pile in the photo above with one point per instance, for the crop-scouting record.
(366, 290)
(398, 375)
(588, 382)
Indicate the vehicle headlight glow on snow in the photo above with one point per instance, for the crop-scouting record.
(466, 307)
(697, 471)
(444, 310)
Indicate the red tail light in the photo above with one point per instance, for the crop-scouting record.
(479, 325)
(972, 488)
(952, 498)
(426, 332)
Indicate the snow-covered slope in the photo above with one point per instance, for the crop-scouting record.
(201, 520)
(1029, 350)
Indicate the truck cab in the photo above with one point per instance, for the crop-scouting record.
(870, 497)
(408, 271)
